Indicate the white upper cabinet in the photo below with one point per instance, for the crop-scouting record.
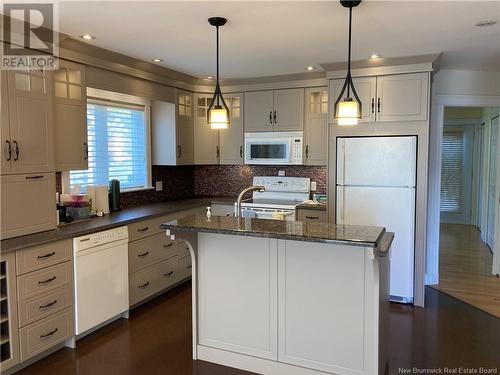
(274, 110)
(206, 140)
(288, 110)
(184, 128)
(231, 139)
(70, 115)
(31, 121)
(223, 146)
(316, 126)
(259, 109)
(402, 97)
(366, 90)
(6, 154)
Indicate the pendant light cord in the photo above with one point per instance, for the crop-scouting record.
(349, 54)
(217, 33)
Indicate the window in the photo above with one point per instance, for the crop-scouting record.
(118, 142)
(452, 171)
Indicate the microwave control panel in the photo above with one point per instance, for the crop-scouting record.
(296, 154)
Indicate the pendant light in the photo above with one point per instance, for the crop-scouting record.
(218, 112)
(348, 110)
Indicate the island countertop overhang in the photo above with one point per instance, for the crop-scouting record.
(354, 235)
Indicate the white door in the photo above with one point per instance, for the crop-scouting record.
(402, 97)
(394, 209)
(101, 284)
(376, 161)
(492, 178)
(259, 108)
(239, 316)
(288, 110)
(366, 89)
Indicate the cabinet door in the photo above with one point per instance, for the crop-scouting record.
(184, 128)
(316, 126)
(402, 97)
(31, 121)
(9, 315)
(164, 150)
(231, 139)
(206, 140)
(28, 204)
(259, 109)
(289, 110)
(240, 316)
(70, 117)
(315, 330)
(366, 89)
(6, 146)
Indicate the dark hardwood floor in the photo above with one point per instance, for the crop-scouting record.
(157, 340)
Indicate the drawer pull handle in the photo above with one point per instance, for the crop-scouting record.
(47, 281)
(144, 285)
(47, 305)
(312, 217)
(48, 333)
(34, 177)
(189, 267)
(46, 255)
(168, 245)
(143, 254)
(168, 274)
(143, 229)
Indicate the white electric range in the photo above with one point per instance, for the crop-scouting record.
(279, 200)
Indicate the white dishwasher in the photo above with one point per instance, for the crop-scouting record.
(101, 279)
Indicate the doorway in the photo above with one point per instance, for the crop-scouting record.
(468, 206)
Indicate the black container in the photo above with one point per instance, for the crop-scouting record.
(114, 195)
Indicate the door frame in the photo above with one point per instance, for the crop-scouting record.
(434, 178)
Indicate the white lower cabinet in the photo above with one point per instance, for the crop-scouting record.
(312, 328)
(238, 316)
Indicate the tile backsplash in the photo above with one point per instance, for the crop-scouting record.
(210, 180)
(229, 180)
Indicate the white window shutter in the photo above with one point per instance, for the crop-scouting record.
(452, 170)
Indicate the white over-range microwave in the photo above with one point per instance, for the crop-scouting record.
(278, 148)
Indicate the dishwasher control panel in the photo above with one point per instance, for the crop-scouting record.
(100, 238)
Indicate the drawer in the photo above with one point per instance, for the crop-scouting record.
(149, 227)
(151, 250)
(44, 280)
(39, 307)
(37, 257)
(151, 280)
(185, 268)
(44, 334)
(311, 216)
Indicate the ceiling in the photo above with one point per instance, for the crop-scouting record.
(283, 37)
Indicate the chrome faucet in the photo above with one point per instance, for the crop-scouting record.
(260, 188)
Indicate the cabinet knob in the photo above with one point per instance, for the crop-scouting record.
(41, 307)
(217, 152)
(275, 117)
(378, 105)
(145, 285)
(46, 255)
(47, 281)
(85, 150)
(179, 151)
(307, 151)
(16, 150)
(271, 117)
(9, 150)
(48, 334)
(241, 151)
(143, 254)
(373, 105)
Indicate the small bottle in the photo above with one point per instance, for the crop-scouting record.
(209, 212)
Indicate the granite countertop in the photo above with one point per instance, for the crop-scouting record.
(280, 229)
(114, 219)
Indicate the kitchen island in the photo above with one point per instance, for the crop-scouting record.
(288, 297)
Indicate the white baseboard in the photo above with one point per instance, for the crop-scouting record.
(431, 279)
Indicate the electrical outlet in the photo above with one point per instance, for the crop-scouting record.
(281, 173)
(313, 185)
(159, 185)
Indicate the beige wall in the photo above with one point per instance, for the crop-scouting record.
(456, 113)
(466, 82)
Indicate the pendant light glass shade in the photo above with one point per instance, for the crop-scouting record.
(218, 116)
(348, 110)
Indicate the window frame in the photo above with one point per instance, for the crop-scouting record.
(103, 97)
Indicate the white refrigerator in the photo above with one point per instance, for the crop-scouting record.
(376, 179)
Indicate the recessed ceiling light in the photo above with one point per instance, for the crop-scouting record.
(486, 23)
(375, 56)
(210, 77)
(310, 68)
(87, 37)
(157, 60)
